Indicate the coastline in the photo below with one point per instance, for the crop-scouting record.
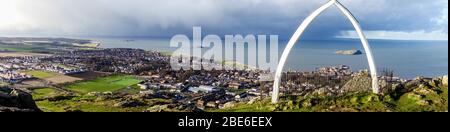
(426, 58)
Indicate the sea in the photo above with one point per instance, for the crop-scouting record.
(407, 59)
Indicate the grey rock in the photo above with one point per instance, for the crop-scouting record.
(358, 84)
(13, 100)
(229, 105)
(129, 103)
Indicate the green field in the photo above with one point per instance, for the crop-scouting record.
(44, 92)
(82, 102)
(24, 48)
(38, 48)
(15, 48)
(104, 84)
(85, 104)
(40, 74)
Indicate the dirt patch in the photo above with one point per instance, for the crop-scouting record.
(35, 83)
(61, 79)
(90, 75)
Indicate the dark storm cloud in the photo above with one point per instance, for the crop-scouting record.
(164, 18)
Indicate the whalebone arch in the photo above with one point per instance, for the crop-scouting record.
(304, 26)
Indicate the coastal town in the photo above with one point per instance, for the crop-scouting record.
(134, 77)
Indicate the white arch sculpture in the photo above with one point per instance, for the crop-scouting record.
(305, 25)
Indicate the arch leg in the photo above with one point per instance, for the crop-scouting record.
(291, 44)
(302, 28)
(370, 58)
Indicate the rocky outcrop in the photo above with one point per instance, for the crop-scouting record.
(174, 108)
(228, 105)
(417, 95)
(360, 83)
(14, 100)
(349, 52)
(125, 103)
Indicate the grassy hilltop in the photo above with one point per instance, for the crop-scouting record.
(419, 95)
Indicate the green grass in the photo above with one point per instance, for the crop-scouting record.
(361, 102)
(44, 92)
(422, 98)
(48, 106)
(40, 74)
(259, 106)
(21, 48)
(92, 104)
(85, 104)
(133, 89)
(418, 102)
(3, 84)
(33, 48)
(15, 49)
(104, 84)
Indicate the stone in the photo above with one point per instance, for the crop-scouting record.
(200, 103)
(14, 109)
(211, 105)
(358, 84)
(129, 103)
(229, 105)
(93, 94)
(14, 100)
(436, 82)
(322, 91)
(253, 100)
(157, 108)
(190, 108)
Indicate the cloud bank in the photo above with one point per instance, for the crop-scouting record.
(164, 18)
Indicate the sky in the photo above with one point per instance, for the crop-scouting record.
(381, 19)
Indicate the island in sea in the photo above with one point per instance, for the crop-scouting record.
(349, 52)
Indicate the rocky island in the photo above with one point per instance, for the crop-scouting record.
(349, 52)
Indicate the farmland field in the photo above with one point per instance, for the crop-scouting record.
(60, 79)
(104, 84)
(21, 54)
(44, 92)
(90, 75)
(15, 48)
(40, 74)
(55, 78)
(85, 104)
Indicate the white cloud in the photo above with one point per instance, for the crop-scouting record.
(397, 35)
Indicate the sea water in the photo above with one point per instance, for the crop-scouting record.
(408, 59)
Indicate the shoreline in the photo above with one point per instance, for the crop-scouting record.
(229, 63)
